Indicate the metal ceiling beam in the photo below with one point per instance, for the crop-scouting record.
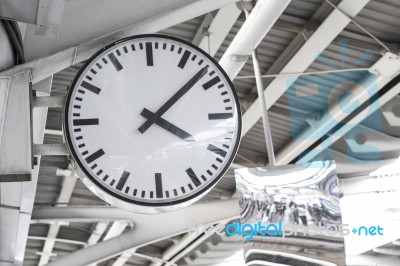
(177, 247)
(331, 27)
(98, 231)
(214, 35)
(257, 25)
(115, 230)
(49, 65)
(45, 14)
(20, 196)
(67, 187)
(147, 228)
(16, 160)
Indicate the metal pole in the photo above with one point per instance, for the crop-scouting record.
(264, 113)
(263, 105)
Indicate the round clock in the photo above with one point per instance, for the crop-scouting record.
(152, 123)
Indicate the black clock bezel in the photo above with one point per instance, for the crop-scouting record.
(104, 188)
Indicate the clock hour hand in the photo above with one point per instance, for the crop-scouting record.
(182, 91)
(166, 125)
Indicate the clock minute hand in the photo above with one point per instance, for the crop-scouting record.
(182, 91)
(167, 126)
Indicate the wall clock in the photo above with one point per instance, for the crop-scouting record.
(152, 123)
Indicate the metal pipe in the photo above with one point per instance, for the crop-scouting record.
(147, 228)
(298, 74)
(264, 112)
(263, 16)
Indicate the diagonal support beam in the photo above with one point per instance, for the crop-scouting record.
(322, 37)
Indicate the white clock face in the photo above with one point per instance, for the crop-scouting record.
(152, 121)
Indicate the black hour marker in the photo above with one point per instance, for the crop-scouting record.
(134, 192)
(180, 50)
(211, 73)
(77, 130)
(220, 86)
(81, 146)
(184, 59)
(77, 106)
(105, 177)
(76, 115)
(99, 172)
(190, 186)
(78, 99)
(127, 190)
(79, 138)
(175, 192)
(203, 177)
(219, 160)
(141, 46)
(217, 116)
(167, 193)
(159, 189)
(86, 122)
(214, 166)
(98, 65)
(225, 146)
(93, 166)
(115, 62)
(133, 47)
(183, 190)
(209, 172)
(104, 60)
(224, 93)
(194, 57)
(228, 108)
(143, 193)
(122, 180)
(125, 50)
(96, 155)
(216, 150)
(211, 83)
(151, 194)
(193, 177)
(172, 48)
(112, 182)
(149, 53)
(118, 52)
(93, 71)
(201, 62)
(90, 87)
(81, 91)
(84, 153)
(156, 45)
(227, 101)
(88, 77)
(164, 46)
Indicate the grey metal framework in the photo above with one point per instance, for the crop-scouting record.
(55, 215)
